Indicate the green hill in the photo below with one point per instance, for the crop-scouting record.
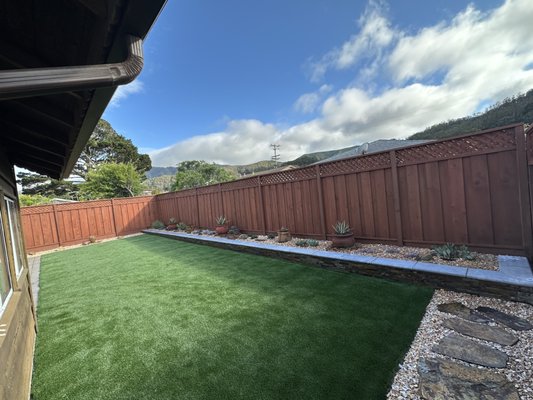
(509, 111)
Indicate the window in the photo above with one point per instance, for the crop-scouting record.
(15, 233)
(5, 278)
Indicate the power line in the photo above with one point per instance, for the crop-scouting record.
(277, 155)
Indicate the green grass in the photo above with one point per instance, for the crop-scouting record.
(153, 318)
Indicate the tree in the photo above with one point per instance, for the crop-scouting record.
(112, 180)
(107, 146)
(35, 184)
(26, 200)
(200, 173)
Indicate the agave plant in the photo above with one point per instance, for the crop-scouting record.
(341, 228)
(222, 220)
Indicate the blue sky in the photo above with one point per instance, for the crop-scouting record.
(223, 80)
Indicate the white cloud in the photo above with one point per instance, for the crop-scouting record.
(125, 91)
(442, 72)
(309, 102)
(374, 36)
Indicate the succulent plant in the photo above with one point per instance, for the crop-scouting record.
(172, 221)
(222, 220)
(342, 228)
(450, 251)
(157, 224)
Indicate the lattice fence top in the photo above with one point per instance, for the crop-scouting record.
(208, 189)
(133, 200)
(36, 210)
(241, 183)
(83, 205)
(356, 164)
(452, 148)
(289, 176)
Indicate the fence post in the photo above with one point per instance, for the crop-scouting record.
(221, 199)
(523, 190)
(114, 217)
(197, 208)
(320, 202)
(57, 224)
(396, 192)
(261, 205)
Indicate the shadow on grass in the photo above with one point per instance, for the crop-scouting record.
(153, 318)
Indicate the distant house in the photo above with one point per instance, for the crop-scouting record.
(46, 117)
(375, 147)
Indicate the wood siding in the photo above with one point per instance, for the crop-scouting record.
(18, 324)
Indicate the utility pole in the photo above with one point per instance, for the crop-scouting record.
(276, 156)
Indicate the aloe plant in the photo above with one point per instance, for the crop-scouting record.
(342, 228)
(222, 220)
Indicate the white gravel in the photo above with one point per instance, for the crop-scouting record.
(482, 260)
(519, 368)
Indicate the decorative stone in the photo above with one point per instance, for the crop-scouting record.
(462, 311)
(243, 236)
(467, 350)
(513, 322)
(480, 331)
(444, 380)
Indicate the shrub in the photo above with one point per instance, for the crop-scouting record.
(157, 224)
(182, 226)
(233, 230)
(307, 243)
(450, 251)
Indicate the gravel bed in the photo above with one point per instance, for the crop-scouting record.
(482, 261)
(519, 368)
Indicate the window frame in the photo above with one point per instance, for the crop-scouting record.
(5, 258)
(14, 239)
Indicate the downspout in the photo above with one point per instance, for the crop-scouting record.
(42, 81)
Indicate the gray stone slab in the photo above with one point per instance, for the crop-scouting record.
(447, 380)
(465, 349)
(450, 270)
(513, 322)
(481, 331)
(499, 277)
(393, 262)
(462, 311)
(35, 270)
(515, 266)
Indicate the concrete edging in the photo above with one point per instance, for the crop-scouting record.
(514, 280)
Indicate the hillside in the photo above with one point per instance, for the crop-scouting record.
(511, 110)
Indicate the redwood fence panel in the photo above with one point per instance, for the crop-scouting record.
(473, 189)
(51, 226)
(465, 190)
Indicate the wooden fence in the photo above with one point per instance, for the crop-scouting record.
(50, 226)
(471, 190)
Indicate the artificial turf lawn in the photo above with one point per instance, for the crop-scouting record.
(153, 318)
